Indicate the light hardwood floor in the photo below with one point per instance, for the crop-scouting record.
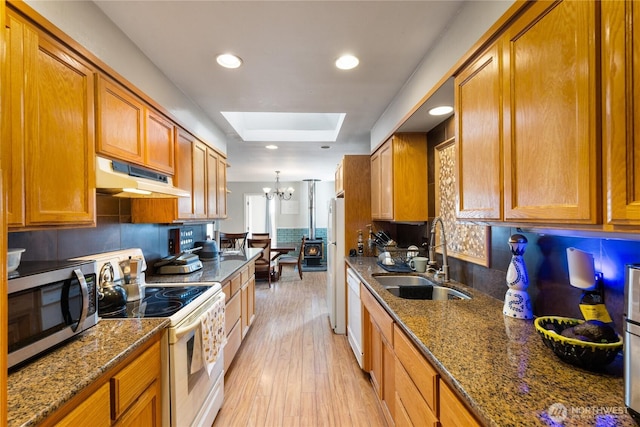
(291, 369)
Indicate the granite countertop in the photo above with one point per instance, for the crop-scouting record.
(39, 388)
(499, 365)
(213, 270)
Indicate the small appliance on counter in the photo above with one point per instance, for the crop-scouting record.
(209, 249)
(632, 341)
(183, 263)
(49, 302)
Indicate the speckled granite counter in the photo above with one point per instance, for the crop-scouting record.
(500, 366)
(44, 385)
(214, 270)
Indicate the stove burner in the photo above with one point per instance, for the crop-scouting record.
(180, 293)
(162, 308)
(115, 314)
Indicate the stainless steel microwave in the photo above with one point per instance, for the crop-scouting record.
(49, 303)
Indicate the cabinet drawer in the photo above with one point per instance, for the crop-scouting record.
(234, 339)
(453, 413)
(411, 401)
(252, 269)
(95, 408)
(232, 312)
(244, 275)
(236, 283)
(133, 380)
(226, 288)
(421, 373)
(378, 314)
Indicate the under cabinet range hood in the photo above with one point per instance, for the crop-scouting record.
(125, 180)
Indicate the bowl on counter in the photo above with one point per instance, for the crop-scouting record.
(13, 259)
(588, 355)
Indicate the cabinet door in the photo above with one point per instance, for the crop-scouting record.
(407, 190)
(146, 411)
(59, 131)
(386, 181)
(478, 138)
(375, 185)
(212, 183)
(222, 187)
(251, 300)
(184, 173)
(191, 175)
(244, 299)
(120, 123)
(551, 141)
(621, 117)
(159, 142)
(453, 413)
(12, 154)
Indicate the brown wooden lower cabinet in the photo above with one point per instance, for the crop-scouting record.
(453, 413)
(128, 395)
(409, 389)
(240, 291)
(379, 359)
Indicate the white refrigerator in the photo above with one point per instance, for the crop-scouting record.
(336, 286)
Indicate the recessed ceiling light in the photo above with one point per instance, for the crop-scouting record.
(440, 111)
(229, 60)
(347, 62)
(271, 147)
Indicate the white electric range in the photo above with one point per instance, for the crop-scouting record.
(189, 398)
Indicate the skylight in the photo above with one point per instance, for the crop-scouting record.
(272, 127)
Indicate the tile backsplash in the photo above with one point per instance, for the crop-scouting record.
(113, 231)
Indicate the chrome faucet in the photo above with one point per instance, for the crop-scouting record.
(444, 270)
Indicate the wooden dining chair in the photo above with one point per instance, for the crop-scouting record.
(292, 260)
(263, 263)
(233, 240)
(260, 236)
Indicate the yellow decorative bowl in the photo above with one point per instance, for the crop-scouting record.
(587, 355)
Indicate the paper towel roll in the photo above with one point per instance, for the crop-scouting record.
(582, 272)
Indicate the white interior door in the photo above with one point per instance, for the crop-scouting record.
(255, 213)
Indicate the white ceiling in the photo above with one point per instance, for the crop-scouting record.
(288, 49)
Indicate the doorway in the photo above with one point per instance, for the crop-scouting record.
(259, 214)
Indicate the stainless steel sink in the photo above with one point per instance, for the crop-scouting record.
(418, 287)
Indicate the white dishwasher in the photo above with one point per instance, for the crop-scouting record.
(354, 318)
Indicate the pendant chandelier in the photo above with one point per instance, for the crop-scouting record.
(283, 194)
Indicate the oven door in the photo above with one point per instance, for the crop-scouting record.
(196, 397)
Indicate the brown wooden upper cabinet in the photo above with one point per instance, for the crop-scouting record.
(532, 97)
(201, 171)
(130, 130)
(399, 179)
(49, 121)
(621, 121)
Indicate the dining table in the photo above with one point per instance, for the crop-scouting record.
(277, 251)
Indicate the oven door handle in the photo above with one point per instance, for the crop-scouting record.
(183, 330)
(85, 299)
(180, 332)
